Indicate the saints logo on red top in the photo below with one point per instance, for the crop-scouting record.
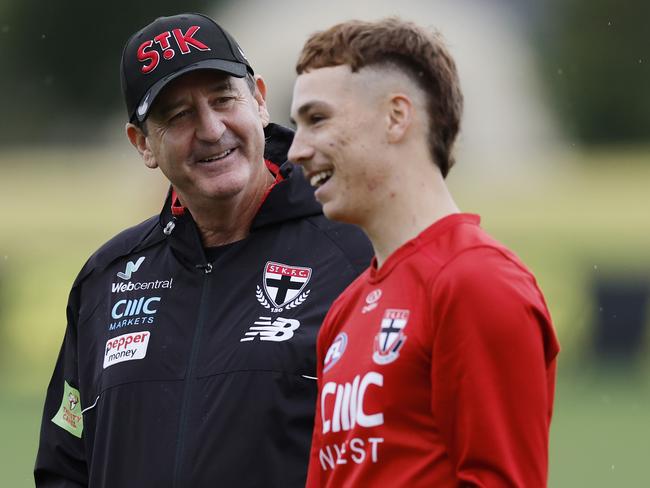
(391, 337)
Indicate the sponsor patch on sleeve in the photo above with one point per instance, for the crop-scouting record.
(69, 415)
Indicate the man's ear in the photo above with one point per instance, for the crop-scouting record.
(260, 98)
(399, 117)
(139, 140)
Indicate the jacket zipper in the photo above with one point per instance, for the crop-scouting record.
(182, 425)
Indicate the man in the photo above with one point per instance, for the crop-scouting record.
(436, 366)
(189, 353)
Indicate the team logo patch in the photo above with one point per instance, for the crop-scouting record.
(335, 351)
(69, 415)
(391, 337)
(283, 286)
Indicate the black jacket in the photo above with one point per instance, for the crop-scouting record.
(192, 372)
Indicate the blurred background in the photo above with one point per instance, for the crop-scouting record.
(554, 155)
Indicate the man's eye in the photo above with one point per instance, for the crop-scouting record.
(316, 118)
(179, 115)
(224, 100)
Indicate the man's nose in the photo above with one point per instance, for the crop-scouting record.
(300, 151)
(210, 126)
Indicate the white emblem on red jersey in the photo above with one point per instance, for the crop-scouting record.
(372, 300)
(283, 286)
(348, 407)
(335, 351)
(391, 337)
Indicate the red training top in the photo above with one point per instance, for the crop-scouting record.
(437, 369)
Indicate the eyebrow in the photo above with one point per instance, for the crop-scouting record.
(306, 107)
(217, 87)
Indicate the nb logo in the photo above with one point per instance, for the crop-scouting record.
(266, 330)
(131, 268)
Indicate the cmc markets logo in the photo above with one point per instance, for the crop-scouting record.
(135, 311)
(131, 268)
(348, 408)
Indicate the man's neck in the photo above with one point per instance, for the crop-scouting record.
(227, 221)
(415, 207)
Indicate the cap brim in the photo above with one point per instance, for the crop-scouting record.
(237, 70)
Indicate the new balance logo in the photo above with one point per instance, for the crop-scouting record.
(131, 268)
(266, 330)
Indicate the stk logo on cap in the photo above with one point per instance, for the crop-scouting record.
(170, 47)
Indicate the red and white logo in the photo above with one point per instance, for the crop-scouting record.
(335, 351)
(150, 57)
(391, 337)
(126, 347)
(283, 286)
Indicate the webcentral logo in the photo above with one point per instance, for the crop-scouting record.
(141, 285)
(131, 268)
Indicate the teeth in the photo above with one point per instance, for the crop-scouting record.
(217, 156)
(319, 178)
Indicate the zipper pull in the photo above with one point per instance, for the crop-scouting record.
(207, 268)
(169, 228)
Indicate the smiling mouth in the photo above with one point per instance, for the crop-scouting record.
(216, 157)
(320, 178)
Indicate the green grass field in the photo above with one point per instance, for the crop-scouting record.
(573, 224)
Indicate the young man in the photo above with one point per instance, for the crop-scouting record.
(189, 355)
(436, 367)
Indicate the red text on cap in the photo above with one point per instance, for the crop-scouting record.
(184, 42)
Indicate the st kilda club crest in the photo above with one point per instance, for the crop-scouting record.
(283, 286)
(391, 337)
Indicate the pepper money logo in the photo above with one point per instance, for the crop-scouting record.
(283, 286)
(126, 347)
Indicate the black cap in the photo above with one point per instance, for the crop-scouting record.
(170, 47)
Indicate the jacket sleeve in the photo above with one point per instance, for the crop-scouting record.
(492, 371)
(61, 461)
